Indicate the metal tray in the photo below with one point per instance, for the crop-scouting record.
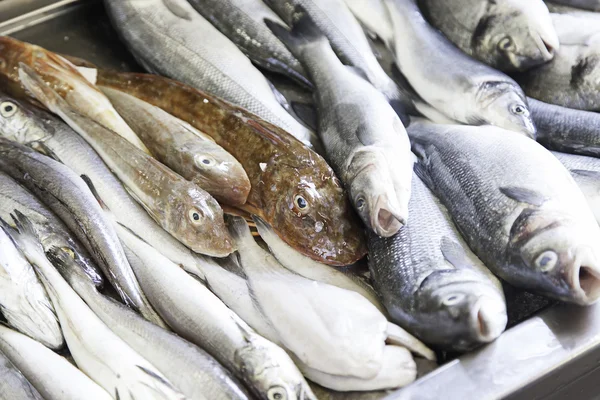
(550, 351)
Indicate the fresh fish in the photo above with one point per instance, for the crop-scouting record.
(98, 352)
(308, 268)
(293, 188)
(586, 172)
(200, 317)
(374, 17)
(23, 300)
(179, 206)
(193, 155)
(572, 79)
(339, 322)
(517, 207)
(189, 368)
(328, 394)
(431, 282)
(365, 140)
(592, 5)
(52, 375)
(458, 87)
(68, 196)
(65, 79)
(565, 129)
(347, 38)
(509, 35)
(242, 21)
(14, 386)
(163, 35)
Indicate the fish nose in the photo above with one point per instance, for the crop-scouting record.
(584, 276)
(386, 217)
(489, 318)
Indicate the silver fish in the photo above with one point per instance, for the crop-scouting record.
(374, 17)
(14, 386)
(516, 206)
(431, 282)
(451, 83)
(52, 375)
(364, 138)
(592, 5)
(163, 35)
(509, 35)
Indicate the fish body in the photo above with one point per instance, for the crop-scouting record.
(592, 5)
(281, 170)
(364, 138)
(192, 155)
(189, 213)
(14, 386)
(432, 284)
(374, 17)
(51, 375)
(509, 35)
(65, 79)
(517, 207)
(163, 35)
(458, 87)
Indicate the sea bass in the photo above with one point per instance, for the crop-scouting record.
(14, 386)
(509, 35)
(164, 37)
(431, 282)
(517, 207)
(189, 213)
(453, 84)
(592, 5)
(191, 154)
(65, 79)
(364, 138)
(293, 188)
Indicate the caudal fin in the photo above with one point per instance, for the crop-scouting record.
(303, 31)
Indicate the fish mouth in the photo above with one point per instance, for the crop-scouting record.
(488, 318)
(584, 278)
(386, 220)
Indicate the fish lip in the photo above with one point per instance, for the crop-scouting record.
(395, 220)
(488, 318)
(583, 279)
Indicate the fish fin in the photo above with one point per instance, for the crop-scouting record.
(178, 10)
(454, 253)
(421, 170)
(42, 92)
(523, 195)
(307, 113)
(398, 336)
(303, 30)
(279, 96)
(586, 173)
(232, 264)
(24, 235)
(357, 71)
(92, 188)
(401, 107)
(239, 229)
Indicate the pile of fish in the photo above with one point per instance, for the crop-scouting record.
(192, 233)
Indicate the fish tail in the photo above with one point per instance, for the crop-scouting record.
(239, 229)
(60, 259)
(303, 31)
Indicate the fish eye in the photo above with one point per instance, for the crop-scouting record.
(506, 43)
(360, 203)
(8, 109)
(453, 299)
(195, 216)
(519, 109)
(277, 393)
(204, 161)
(301, 203)
(546, 261)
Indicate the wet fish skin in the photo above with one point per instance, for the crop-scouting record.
(51, 375)
(458, 87)
(509, 35)
(279, 168)
(374, 16)
(14, 386)
(65, 79)
(178, 146)
(519, 194)
(431, 282)
(364, 138)
(163, 35)
(592, 5)
(179, 206)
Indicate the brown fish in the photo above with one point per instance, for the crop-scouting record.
(293, 188)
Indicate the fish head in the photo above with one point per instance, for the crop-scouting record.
(467, 309)
(373, 194)
(555, 254)
(20, 122)
(516, 35)
(504, 105)
(197, 221)
(308, 208)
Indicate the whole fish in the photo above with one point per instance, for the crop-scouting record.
(431, 282)
(462, 89)
(189, 368)
(191, 154)
(572, 79)
(98, 352)
(14, 386)
(517, 207)
(65, 79)
(592, 5)
(586, 172)
(374, 17)
(293, 188)
(509, 35)
(68, 196)
(23, 300)
(196, 314)
(163, 35)
(179, 206)
(53, 376)
(365, 140)
(242, 21)
(567, 130)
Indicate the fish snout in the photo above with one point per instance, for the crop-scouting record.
(386, 217)
(488, 318)
(584, 276)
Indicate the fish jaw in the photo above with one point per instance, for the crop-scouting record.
(386, 219)
(488, 319)
(584, 277)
